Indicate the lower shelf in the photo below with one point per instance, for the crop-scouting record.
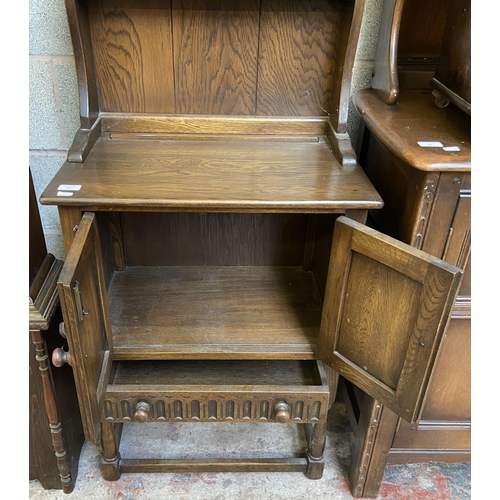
(214, 313)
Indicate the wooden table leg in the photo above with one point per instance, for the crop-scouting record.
(110, 457)
(42, 358)
(316, 440)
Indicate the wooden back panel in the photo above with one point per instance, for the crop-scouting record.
(421, 34)
(422, 28)
(453, 73)
(213, 239)
(222, 57)
(411, 34)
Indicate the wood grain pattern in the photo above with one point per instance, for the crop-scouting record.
(438, 285)
(385, 71)
(442, 213)
(133, 75)
(57, 441)
(449, 396)
(377, 291)
(214, 313)
(192, 239)
(297, 57)
(419, 208)
(215, 56)
(236, 391)
(217, 373)
(215, 465)
(78, 20)
(89, 340)
(453, 72)
(185, 125)
(83, 142)
(422, 28)
(416, 118)
(350, 27)
(214, 176)
(421, 439)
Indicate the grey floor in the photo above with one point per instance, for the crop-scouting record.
(197, 440)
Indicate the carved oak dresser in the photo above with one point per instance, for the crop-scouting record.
(218, 266)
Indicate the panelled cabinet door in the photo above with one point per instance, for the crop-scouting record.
(86, 318)
(385, 311)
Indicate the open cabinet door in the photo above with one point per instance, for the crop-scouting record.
(86, 319)
(385, 311)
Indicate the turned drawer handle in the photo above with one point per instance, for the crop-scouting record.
(60, 357)
(282, 412)
(142, 411)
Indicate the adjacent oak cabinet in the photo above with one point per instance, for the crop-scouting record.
(415, 145)
(55, 427)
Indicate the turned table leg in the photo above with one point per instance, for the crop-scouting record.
(110, 457)
(316, 440)
(42, 358)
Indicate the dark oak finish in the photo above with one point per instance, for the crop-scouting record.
(78, 19)
(55, 429)
(385, 81)
(198, 217)
(296, 67)
(427, 194)
(125, 40)
(408, 46)
(219, 57)
(416, 118)
(227, 176)
(209, 312)
(372, 278)
(299, 464)
(82, 294)
(453, 73)
(214, 239)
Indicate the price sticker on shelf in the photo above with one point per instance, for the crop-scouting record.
(430, 144)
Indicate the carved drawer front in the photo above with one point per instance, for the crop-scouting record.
(217, 391)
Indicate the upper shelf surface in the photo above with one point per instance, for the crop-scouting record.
(212, 175)
(411, 126)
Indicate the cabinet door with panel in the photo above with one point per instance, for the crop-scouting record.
(385, 309)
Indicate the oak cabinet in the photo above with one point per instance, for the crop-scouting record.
(416, 149)
(218, 265)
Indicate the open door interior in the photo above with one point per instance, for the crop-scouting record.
(385, 311)
(84, 303)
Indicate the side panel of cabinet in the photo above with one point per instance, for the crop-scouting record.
(431, 211)
(81, 288)
(445, 427)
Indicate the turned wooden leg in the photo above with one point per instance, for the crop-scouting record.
(42, 358)
(110, 457)
(316, 440)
